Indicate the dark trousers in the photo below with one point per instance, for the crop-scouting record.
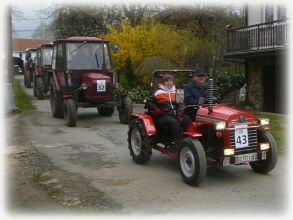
(170, 126)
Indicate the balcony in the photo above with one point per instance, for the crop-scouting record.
(256, 39)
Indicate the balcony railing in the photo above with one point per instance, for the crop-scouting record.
(258, 37)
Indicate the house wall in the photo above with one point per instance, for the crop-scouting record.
(265, 12)
(255, 14)
(266, 83)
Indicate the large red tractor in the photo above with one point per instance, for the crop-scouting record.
(82, 76)
(43, 66)
(218, 136)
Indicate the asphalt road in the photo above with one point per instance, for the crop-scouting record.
(96, 149)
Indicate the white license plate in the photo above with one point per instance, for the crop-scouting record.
(241, 136)
(245, 158)
(101, 85)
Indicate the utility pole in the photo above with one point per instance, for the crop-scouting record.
(10, 103)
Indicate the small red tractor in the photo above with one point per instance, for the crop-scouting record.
(82, 76)
(29, 66)
(218, 136)
(43, 66)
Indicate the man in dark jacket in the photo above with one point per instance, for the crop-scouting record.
(196, 93)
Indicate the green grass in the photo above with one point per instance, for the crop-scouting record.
(22, 101)
(278, 128)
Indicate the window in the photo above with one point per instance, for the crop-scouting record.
(54, 57)
(87, 56)
(282, 12)
(59, 57)
(269, 13)
(47, 56)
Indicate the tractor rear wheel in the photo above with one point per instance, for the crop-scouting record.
(40, 88)
(192, 161)
(139, 143)
(106, 111)
(265, 166)
(125, 110)
(56, 100)
(69, 112)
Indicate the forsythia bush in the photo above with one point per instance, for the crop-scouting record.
(150, 39)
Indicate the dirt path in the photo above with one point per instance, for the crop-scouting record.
(34, 185)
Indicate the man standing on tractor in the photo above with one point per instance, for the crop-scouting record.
(162, 105)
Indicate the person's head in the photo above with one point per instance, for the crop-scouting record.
(167, 80)
(199, 76)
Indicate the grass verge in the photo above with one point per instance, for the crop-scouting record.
(22, 101)
(278, 128)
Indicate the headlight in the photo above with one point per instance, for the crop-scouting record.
(84, 86)
(264, 146)
(220, 126)
(228, 152)
(264, 121)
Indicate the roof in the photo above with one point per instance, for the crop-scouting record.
(46, 45)
(81, 39)
(19, 44)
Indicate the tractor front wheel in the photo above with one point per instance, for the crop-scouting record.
(192, 161)
(40, 88)
(265, 166)
(69, 112)
(125, 110)
(27, 80)
(34, 86)
(56, 100)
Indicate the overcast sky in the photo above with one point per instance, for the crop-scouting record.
(25, 25)
(27, 21)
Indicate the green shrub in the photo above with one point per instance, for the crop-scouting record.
(229, 79)
(138, 95)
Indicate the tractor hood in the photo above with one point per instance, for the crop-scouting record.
(224, 113)
(91, 78)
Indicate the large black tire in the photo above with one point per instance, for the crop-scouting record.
(56, 101)
(40, 88)
(34, 86)
(265, 166)
(69, 112)
(27, 79)
(106, 111)
(139, 144)
(192, 161)
(125, 110)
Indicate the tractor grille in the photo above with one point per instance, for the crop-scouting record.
(252, 140)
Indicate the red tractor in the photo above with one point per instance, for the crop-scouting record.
(29, 66)
(43, 66)
(82, 76)
(218, 136)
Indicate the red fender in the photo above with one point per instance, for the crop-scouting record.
(147, 122)
(192, 131)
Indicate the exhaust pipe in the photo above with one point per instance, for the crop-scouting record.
(210, 95)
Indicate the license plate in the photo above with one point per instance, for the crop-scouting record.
(245, 158)
(241, 136)
(101, 85)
